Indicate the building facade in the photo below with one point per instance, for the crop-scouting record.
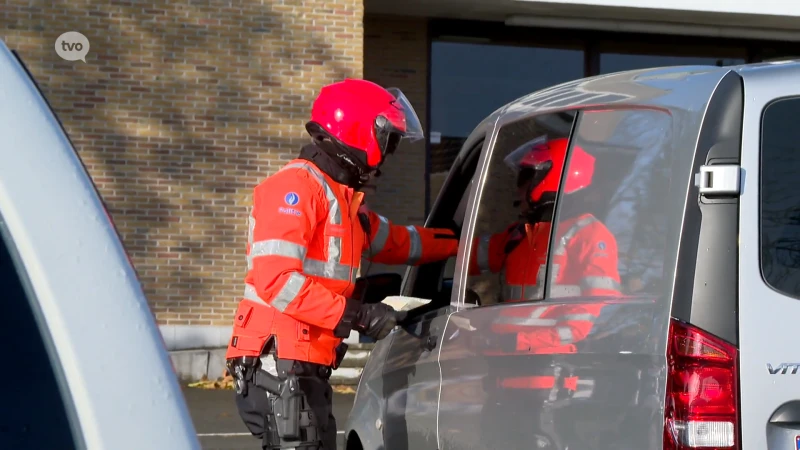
(182, 107)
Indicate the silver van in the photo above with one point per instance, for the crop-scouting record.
(695, 191)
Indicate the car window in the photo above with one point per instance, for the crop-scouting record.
(612, 234)
(780, 197)
(499, 211)
(608, 233)
(434, 281)
(34, 412)
(458, 218)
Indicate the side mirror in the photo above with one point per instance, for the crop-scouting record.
(376, 287)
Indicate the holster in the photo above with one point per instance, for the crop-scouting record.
(286, 404)
(341, 350)
(284, 389)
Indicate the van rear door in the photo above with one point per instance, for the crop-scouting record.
(769, 265)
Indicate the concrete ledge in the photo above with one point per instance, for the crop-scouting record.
(194, 365)
(187, 337)
(346, 375)
(190, 337)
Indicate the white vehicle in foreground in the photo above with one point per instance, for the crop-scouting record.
(89, 367)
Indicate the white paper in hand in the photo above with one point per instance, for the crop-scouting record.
(401, 303)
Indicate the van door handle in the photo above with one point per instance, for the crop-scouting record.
(429, 343)
(787, 413)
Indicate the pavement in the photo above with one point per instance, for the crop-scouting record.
(219, 426)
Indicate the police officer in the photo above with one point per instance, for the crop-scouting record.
(308, 228)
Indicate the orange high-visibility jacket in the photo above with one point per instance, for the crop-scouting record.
(584, 260)
(303, 253)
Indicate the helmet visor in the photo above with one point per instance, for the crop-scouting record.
(410, 125)
(525, 155)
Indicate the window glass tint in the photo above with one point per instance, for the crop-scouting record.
(780, 197)
(611, 225)
(32, 411)
(501, 255)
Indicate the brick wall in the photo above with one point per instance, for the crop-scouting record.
(180, 109)
(396, 55)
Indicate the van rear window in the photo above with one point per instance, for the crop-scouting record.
(780, 196)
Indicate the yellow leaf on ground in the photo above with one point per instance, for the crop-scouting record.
(227, 383)
(343, 389)
(219, 383)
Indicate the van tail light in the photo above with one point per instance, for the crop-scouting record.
(702, 408)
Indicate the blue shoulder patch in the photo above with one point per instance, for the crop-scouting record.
(291, 198)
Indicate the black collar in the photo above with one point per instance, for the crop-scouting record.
(327, 164)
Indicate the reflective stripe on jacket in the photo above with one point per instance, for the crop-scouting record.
(584, 260)
(546, 328)
(305, 244)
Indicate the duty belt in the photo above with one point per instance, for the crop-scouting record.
(248, 368)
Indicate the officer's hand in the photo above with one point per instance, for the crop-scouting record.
(376, 320)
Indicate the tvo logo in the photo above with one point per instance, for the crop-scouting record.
(72, 46)
(783, 368)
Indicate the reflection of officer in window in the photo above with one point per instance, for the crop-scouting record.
(584, 261)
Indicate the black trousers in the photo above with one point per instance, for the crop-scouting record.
(318, 426)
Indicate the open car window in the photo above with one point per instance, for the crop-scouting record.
(434, 281)
(458, 218)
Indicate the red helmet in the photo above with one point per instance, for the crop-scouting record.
(365, 117)
(542, 163)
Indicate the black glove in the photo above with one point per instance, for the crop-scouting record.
(376, 320)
